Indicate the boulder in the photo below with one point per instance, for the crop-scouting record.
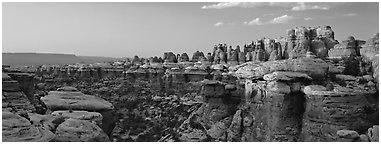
(74, 130)
(48, 121)
(364, 138)
(62, 100)
(19, 129)
(349, 134)
(373, 133)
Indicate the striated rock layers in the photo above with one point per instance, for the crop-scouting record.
(14, 98)
(315, 68)
(333, 110)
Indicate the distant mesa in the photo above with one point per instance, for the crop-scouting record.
(34, 59)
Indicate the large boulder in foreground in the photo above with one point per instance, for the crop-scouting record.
(315, 68)
(72, 100)
(74, 130)
(64, 100)
(19, 129)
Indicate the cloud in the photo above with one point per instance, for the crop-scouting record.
(282, 19)
(309, 6)
(276, 20)
(308, 18)
(223, 5)
(256, 21)
(350, 14)
(218, 24)
(300, 6)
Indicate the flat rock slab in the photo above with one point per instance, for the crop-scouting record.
(349, 134)
(315, 68)
(67, 88)
(319, 90)
(286, 76)
(74, 130)
(19, 129)
(62, 100)
(81, 115)
(345, 77)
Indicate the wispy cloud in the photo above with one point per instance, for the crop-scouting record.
(350, 14)
(256, 21)
(223, 5)
(218, 24)
(309, 6)
(276, 20)
(282, 19)
(300, 6)
(308, 18)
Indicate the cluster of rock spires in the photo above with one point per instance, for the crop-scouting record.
(305, 87)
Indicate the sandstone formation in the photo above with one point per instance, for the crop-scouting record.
(305, 86)
(19, 129)
(74, 130)
(57, 100)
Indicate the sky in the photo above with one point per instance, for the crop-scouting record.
(149, 29)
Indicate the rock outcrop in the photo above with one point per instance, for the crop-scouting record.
(74, 130)
(315, 68)
(333, 110)
(19, 129)
(74, 100)
(13, 97)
